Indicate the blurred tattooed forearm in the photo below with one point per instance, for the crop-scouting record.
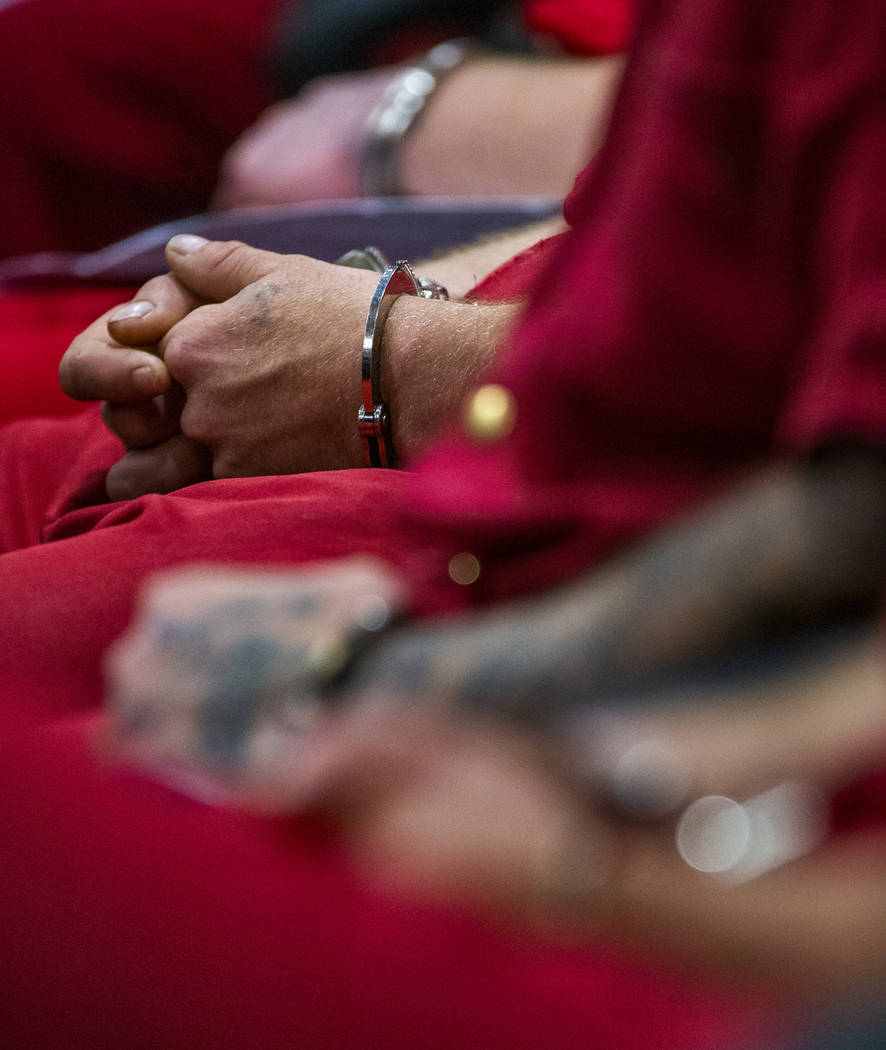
(220, 669)
(799, 545)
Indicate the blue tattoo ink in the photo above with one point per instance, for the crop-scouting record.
(234, 699)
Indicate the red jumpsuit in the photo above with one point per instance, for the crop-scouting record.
(718, 304)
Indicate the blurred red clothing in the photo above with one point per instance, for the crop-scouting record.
(116, 115)
(717, 305)
(584, 27)
(36, 326)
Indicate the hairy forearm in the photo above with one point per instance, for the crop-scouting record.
(799, 545)
(460, 269)
(508, 125)
(433, 351)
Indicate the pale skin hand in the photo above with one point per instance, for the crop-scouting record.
(265, 367)
(266, 370)
(272, 373)
(488, 130)
(116, 361)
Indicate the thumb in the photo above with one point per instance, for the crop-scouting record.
(217, 270)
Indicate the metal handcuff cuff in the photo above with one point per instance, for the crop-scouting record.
(373, 417)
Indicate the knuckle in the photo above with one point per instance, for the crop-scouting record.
(194, 343)
(179, 351)
(155, 288)
(197, 425)
(174, 353)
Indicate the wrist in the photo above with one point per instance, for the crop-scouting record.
(489, 129)
(401, 109)
(434, 352)
(373, 416)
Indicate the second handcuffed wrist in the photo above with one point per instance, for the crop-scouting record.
(399, 112)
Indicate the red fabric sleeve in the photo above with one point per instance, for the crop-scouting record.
(839, 134)
(719, 302)
(585, 27)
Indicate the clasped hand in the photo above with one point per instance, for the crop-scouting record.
(239, 362)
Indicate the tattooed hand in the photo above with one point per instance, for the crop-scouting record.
(796, 547)
(221, 673)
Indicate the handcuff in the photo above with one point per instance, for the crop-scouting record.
(373, 416)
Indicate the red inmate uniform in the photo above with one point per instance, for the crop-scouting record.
(718, 303)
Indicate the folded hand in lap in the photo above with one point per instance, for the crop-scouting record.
(262, 366)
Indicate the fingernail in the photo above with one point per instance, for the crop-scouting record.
(139, 308)
(185, 243)
(147, 379)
